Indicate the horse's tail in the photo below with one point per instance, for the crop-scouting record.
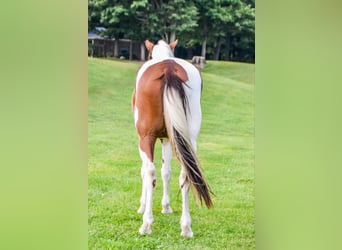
(176, 111)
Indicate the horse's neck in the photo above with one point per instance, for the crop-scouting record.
(162, 54)
(161, 57)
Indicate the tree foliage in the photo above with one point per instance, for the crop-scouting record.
(217, 29)
(165, 18)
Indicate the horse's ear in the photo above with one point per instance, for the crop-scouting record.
(149, 45)
(173, 44)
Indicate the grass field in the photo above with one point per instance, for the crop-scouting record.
(225, 150)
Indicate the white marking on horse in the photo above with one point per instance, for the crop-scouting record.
(166, 175)
(162, 51)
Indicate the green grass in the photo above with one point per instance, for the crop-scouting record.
(225, 150)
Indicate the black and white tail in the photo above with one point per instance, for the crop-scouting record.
(176, 110)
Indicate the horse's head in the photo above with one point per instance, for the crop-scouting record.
(160, 50)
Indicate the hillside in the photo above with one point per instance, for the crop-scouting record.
(225, 149)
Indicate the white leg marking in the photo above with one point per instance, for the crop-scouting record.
(141, 209)
(185, 219)
(166, 175)
(149, 184)
(143, 191)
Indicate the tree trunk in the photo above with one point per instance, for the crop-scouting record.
(165, 37)
(142, 52)
(172, 36)
(130, 50)
(92, 47)
(218, 49)
(227, 54)
(204, 47)
(205, 38)
(116, 47)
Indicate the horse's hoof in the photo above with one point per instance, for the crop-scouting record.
(166, 209)
(145, 229)
(187, 233)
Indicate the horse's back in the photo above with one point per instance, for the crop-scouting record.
(193, 92)
(148, 92)
(192, 72)
(194, 77)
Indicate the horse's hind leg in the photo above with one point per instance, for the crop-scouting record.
(149, 182)
(185, 219)
(141, 209)
(166, 174)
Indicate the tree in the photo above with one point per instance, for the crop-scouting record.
(165, 18)
(237, 19)
(220, 29)
(114, 15)
(219, 21)
(202, 32)
(94, 14)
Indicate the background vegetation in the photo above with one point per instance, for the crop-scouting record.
(216, 29)
(225, 149)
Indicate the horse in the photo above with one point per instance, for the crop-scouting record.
(166, 106)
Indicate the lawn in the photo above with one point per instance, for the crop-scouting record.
(225, 149)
